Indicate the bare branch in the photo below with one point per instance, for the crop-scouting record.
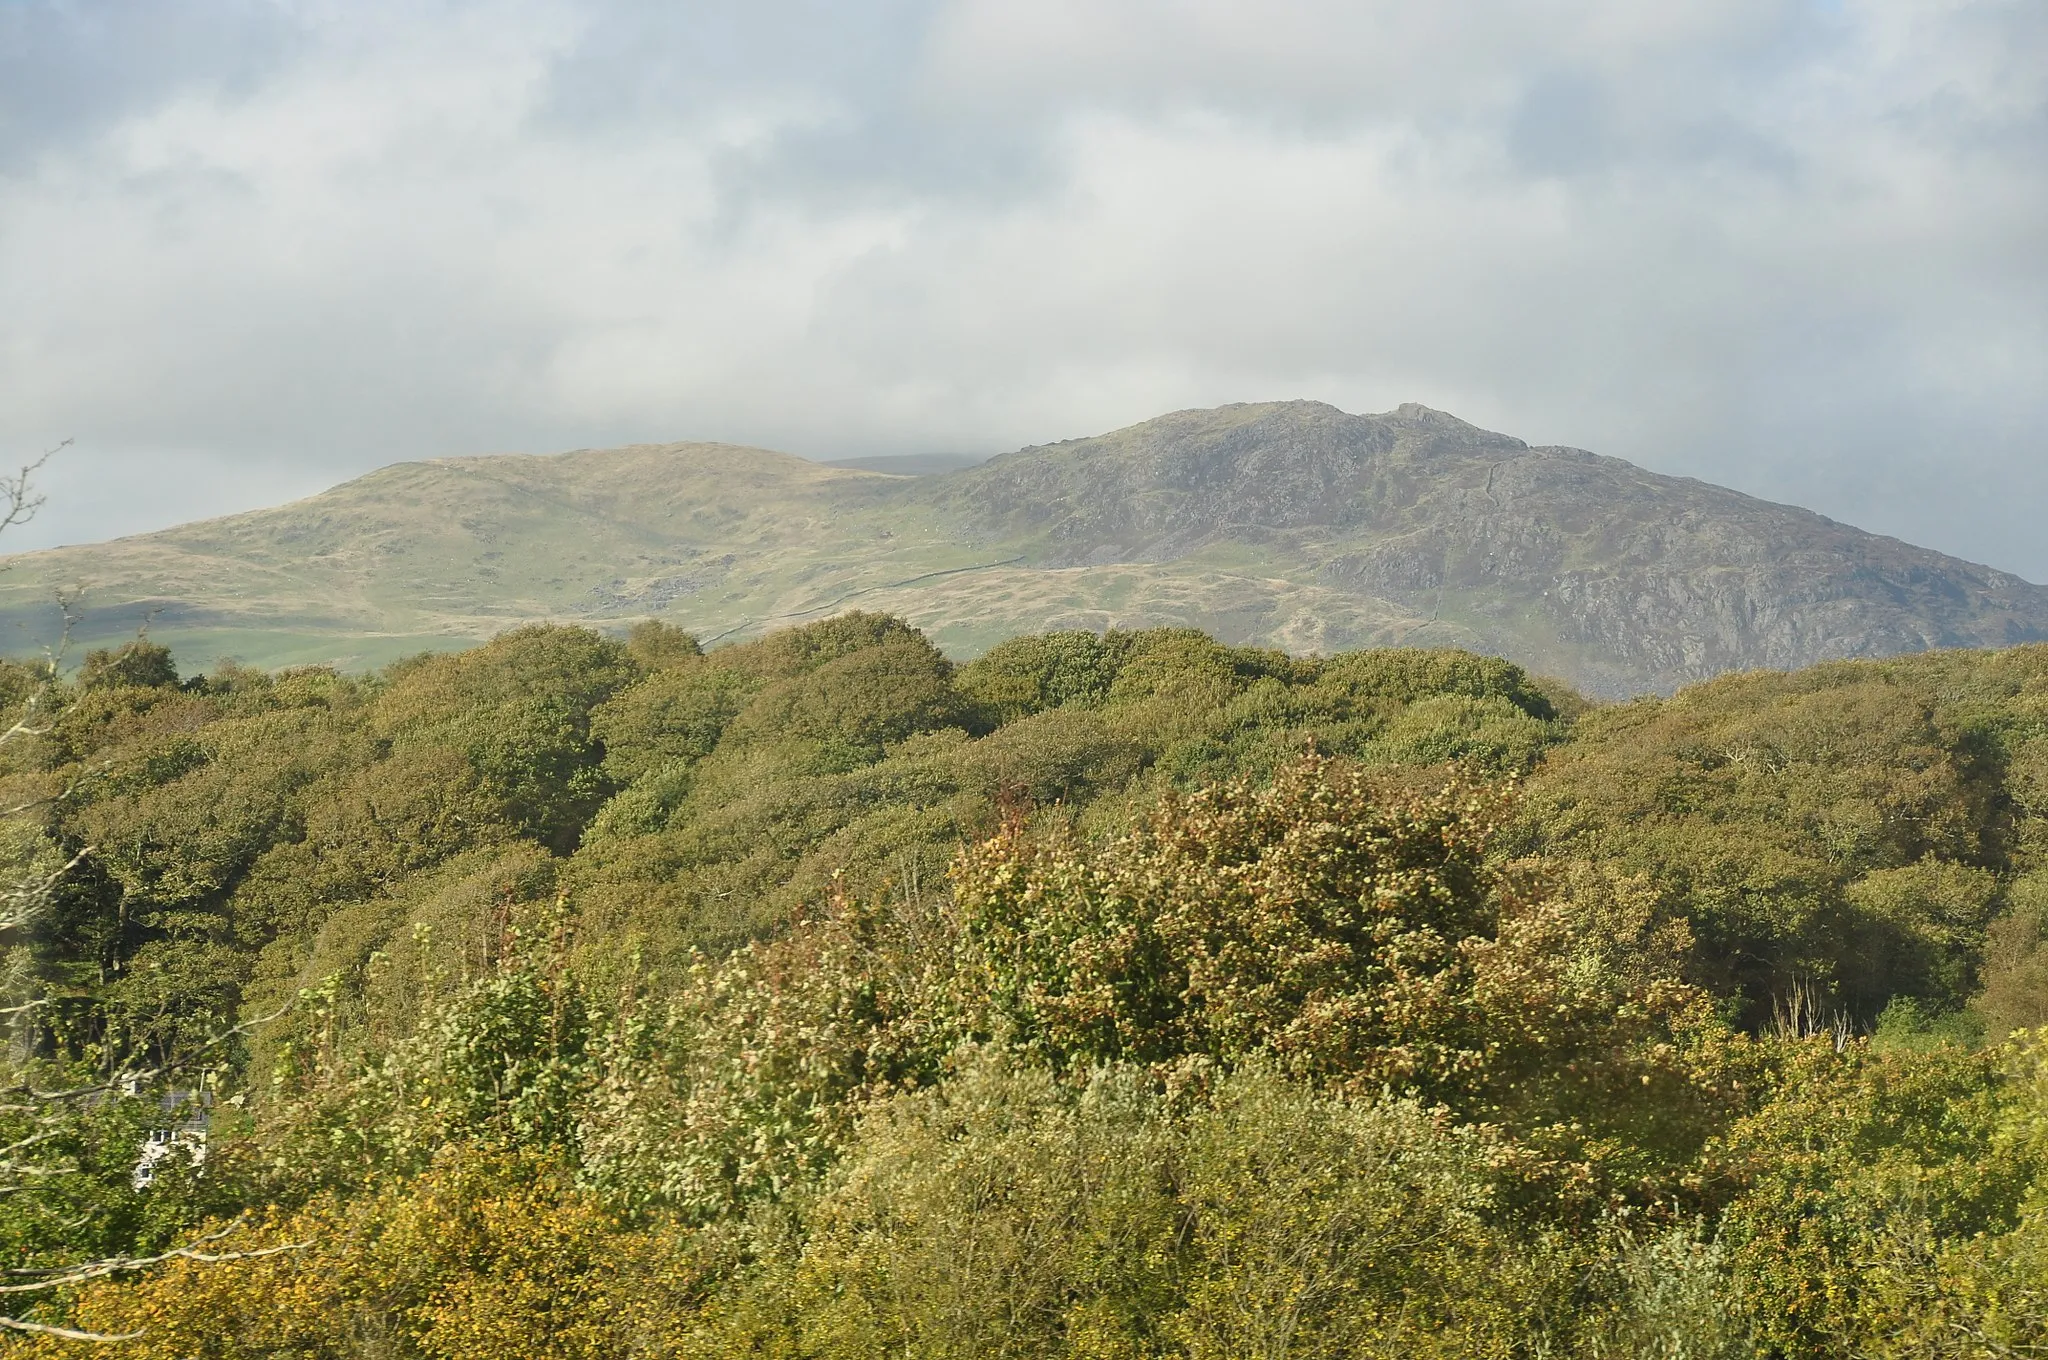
(16, 1169)
(61, 1277)
(19, 499)
(70, 789)
(25, 901)
(68, 1333)
(45, 1136)
(135, 1076)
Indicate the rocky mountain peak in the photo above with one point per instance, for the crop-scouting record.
(1166, 484)
(1290, 524)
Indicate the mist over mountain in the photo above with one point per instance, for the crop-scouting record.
(1288, 524)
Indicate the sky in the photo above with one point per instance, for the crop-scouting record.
(251, 248)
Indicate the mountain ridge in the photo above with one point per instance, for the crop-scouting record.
(1292, 524)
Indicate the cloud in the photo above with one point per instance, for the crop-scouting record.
(249, 250)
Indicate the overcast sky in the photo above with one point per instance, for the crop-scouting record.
(249, 248)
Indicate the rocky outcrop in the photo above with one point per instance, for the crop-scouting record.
(1289, 524)
(1641, 581)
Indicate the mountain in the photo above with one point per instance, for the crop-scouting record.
(1291, 524)
(911, 464)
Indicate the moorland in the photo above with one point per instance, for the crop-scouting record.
(1283, 524)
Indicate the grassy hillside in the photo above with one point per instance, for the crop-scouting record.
(1126, 993)
(1287, 524)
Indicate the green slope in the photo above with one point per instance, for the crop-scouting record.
(1290, 524)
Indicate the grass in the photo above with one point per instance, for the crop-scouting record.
(728, 542)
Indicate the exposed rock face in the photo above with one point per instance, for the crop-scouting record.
(1651, 581)
(1287, 524)
(1156, 489)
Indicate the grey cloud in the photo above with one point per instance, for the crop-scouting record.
(874, 135)
(70, 70)
(636, 64)
(1794, 248)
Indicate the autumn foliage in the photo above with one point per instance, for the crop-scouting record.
(1125, 996)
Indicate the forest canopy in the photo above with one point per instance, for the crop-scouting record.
(1108, 995)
